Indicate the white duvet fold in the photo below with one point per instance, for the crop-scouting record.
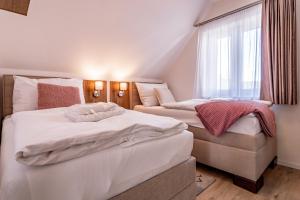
(46, 136)
(185, 105)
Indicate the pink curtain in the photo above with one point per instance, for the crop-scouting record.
(279, 53)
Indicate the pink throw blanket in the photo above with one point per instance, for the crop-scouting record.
(218, 116)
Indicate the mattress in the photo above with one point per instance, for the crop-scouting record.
(240, 141)
(100, 175)
(248, 125)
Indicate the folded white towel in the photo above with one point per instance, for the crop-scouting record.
(86, 109)
(93, 112)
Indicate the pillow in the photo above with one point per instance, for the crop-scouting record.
(147, 94)
(164, 95)
(54, 96)
(66, 82)
(25, 93)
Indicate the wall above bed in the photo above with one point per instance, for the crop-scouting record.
(99, 39)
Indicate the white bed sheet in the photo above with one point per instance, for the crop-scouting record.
(248, 125)
(100, 175)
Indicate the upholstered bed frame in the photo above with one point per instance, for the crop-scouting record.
(177, 183)
(246, 166)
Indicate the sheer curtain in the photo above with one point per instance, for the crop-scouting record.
(229, 57)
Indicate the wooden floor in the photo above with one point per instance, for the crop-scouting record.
(281, 183)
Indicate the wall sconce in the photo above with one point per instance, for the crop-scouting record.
(98, 88)
(122, 88)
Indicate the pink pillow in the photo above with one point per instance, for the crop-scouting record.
(54, 96)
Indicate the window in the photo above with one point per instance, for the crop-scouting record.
(229, 57)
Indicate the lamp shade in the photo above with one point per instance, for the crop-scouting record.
(123, 86)
(98, 85)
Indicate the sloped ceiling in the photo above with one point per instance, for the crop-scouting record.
(113, 39)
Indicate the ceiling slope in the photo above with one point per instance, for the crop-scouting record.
(113, 39)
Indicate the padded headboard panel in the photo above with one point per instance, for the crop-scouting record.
(134, 95)
(8, 86)
(7, 95)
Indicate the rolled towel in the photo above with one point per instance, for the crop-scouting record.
(93, 112)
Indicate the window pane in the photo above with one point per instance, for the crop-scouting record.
(223, 63)
(229, 59)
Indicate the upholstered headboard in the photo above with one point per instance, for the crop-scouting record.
(134, 95)
(8, 86)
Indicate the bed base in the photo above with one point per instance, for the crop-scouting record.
(273, 164)
(247, 167)
(247, 184)
(253, 186)
(177, 183)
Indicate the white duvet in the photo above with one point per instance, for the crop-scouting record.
(190, 104)
(97, 176)
(185, 105)
(46, 136)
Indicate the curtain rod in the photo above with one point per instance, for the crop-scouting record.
(228, 13)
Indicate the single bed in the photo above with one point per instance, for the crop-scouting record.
(146, 170)
(243, 150)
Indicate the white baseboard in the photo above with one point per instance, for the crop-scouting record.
(289, 164)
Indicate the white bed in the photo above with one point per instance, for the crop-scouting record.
(100, 175)
(248, 125)
(244, 150)
(94, 161)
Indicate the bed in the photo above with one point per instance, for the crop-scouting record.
(146, 170)
(243, 150)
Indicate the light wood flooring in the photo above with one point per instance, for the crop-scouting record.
(281, 183)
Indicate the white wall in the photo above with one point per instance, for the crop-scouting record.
(180, 77)
(180, 74)
(97, 39)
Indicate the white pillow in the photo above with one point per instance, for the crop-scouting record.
(147, 93)
(25, 93)
(164, 95)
